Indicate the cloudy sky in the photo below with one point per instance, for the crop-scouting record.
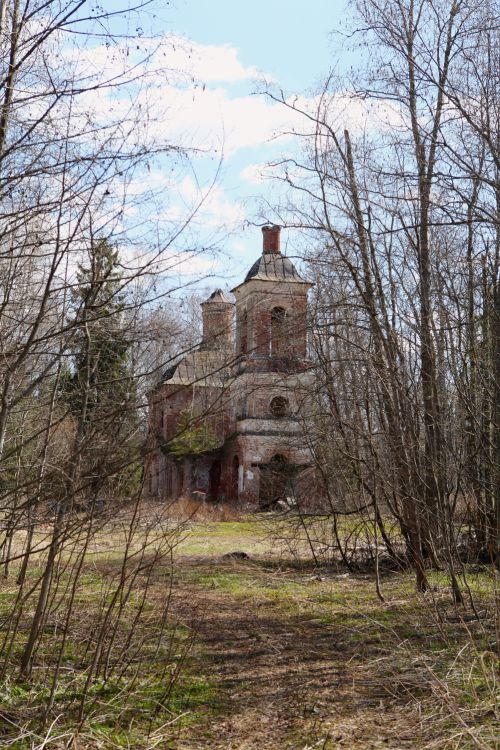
(218, 53)
(287, 42)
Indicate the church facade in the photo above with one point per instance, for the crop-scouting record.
(229, 421)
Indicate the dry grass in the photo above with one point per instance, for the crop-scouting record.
(275, 653)
(188, 508)
(305, 660)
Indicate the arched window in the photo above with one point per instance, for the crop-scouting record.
(244, 333)
(279, 407)
(278, 333)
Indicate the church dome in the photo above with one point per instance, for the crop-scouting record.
(273, 266)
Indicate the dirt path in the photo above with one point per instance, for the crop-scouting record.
(284, 680)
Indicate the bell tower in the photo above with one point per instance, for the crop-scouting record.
(272, 377)
(271, 310)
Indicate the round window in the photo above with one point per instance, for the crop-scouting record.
(279, 406)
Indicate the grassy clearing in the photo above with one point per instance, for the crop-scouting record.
(433, 663)
(119, 630)
(219, 538)
(130, 703)
(271, 652)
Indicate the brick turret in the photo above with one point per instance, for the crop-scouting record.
(217, 312)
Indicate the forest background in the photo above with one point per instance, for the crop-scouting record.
(392, 189)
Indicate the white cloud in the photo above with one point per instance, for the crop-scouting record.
(255, 174)
(179, 90)
(206, 62)
(216, 121)
(172, 264)
(213, 120)
(215, 210)
(172, 198)
(185, 97)
(179, 61)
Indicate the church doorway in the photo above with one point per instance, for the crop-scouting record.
(214, 476)
(235, 471)
(276, 482)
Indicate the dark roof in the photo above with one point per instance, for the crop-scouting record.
(169, 373)
(273, 266)
(218, 296)
(206, 368)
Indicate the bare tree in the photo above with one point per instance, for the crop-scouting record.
(79, 275)
(405, 217)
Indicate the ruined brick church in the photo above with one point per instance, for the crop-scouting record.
(229, 421)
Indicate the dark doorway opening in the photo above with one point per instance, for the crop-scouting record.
(234, 478)
(180, 476)
(276, 482)
(214, 476)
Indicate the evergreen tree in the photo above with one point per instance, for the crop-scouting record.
(99, 375)
(99, 387)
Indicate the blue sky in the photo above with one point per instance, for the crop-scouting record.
(224, 47)
(289, 40)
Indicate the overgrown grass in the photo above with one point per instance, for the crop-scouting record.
(143, 681)
(150, 710)
(158, 688)
(219, 538)
(420, 650)
(424, 648)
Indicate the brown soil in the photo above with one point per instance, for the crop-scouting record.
(285, 681)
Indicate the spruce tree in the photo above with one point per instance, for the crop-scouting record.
(99, 387)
